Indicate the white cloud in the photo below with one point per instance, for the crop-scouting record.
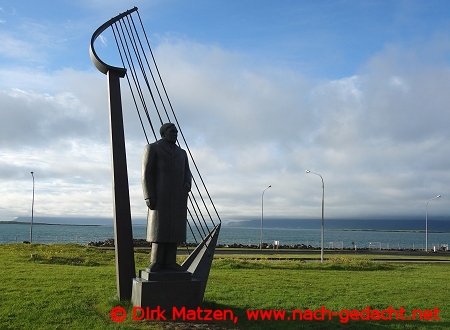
(379, 138)
(103, 40)
(14, 48)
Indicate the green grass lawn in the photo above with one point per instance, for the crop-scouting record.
(68, 286)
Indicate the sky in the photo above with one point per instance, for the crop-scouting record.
(356, 91)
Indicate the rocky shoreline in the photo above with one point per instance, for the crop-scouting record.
(143, 243)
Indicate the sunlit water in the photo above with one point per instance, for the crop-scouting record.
(10, 233)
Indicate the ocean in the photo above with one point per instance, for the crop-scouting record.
(333, 238)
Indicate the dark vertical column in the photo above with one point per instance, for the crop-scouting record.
(123, 234)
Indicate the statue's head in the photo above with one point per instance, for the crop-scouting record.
(169, 132)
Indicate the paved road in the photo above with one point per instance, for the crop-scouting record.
(269, 252)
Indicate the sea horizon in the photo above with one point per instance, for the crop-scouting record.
(437, 224)
(230, 235)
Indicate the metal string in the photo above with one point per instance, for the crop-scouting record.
(181, 132)
(131, 50)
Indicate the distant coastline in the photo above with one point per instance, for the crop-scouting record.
(440, 225)
(14, 222)
(392, 230)
(412, 225)
(347, 229)
(61, 220)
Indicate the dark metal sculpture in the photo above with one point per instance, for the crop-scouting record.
(166, 182)
(123, 233)
(186, 285)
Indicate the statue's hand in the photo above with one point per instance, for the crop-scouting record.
(187, 186)
(151, 203)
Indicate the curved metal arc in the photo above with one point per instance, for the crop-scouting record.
(99, 64)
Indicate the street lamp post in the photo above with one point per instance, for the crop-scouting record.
(262, 216)
(426, 223)
(323, 202)
(32, 212)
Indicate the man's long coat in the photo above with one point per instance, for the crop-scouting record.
(165, 176)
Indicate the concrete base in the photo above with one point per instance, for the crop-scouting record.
(166, 290)
(165, 276)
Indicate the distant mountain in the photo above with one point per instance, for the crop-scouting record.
(418, 223)
(443, 224)
(75, 220)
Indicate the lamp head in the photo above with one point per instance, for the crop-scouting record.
(307, 171)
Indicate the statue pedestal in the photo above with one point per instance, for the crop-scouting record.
(166, 290)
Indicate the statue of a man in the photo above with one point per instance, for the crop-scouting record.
(166, 182)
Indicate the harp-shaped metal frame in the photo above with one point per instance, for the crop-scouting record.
(99, 64)
(199, 261)
(123, 233)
